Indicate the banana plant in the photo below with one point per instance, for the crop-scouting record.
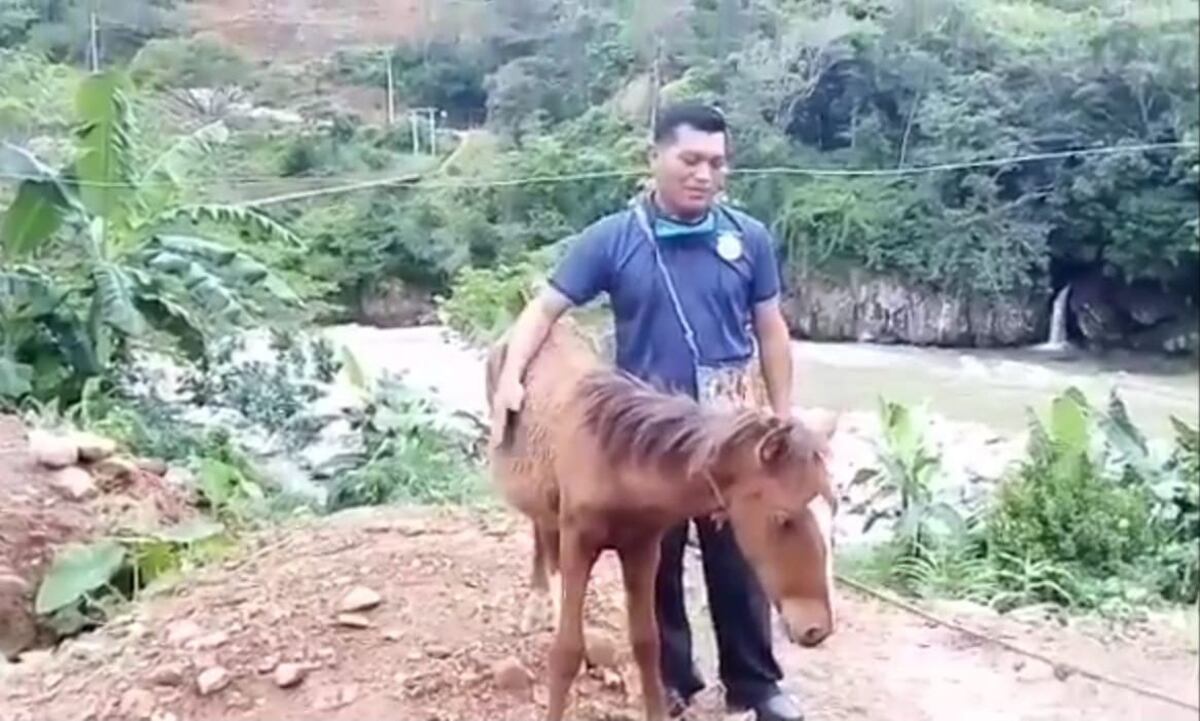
(138, 261)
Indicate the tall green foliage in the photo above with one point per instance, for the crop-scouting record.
(118, 242)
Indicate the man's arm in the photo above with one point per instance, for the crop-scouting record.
(528, 333)
(775, 347)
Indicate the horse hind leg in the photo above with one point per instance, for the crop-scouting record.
(544, 602)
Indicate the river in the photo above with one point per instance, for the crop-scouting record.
(992, 387)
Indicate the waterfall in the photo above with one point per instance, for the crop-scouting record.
(1058, 322)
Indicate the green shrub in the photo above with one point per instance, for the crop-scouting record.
(195, 62)
(412, 455)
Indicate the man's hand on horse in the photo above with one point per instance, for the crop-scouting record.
(510, 396)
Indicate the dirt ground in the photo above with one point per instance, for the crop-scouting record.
(452, 584)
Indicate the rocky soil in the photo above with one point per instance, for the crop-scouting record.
(57, 489)
(413, 614)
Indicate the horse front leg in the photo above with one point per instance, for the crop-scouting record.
(639, 565)
(566, 655)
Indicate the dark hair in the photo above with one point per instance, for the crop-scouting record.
(705, 118)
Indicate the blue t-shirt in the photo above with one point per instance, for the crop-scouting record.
(717, 295)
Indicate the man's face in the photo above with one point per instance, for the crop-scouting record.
(689, 170)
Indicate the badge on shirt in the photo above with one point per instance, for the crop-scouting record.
(729, 246)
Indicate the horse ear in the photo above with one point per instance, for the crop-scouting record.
(774, 445)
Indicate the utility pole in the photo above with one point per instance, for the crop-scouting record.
(391, 92)
(655, 83)
(94, 44)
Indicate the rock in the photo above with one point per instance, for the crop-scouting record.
(168, 675)
(164, 716)
(510, 675)
(18, 627)
(288, 675)
(439, 652)
(601, 650)
(268, 664)
(73, 483)
(180, 632)
(115, 468)
(359, 598)
(209, 641)
(335, 697)
(211, 680)
(393, 634)
(52, 451)
(137, 703)
(875, 308)
(92, 447)
(353, 620)
(180, 478)
(393, 304)
(155, 466)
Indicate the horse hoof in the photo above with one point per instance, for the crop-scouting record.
(537, 616)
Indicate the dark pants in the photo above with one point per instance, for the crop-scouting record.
(740, 613)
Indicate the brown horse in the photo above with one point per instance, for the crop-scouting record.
(597, 460)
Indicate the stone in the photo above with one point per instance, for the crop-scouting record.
(115, 467)
(212, 679)
(601, 650)
(438, 651)
(155, 466)
(510, 675)
(168, 675)
(18, 627)
(335, 697)
(359, 598)
(52, 451)
(269, 663)
(73, 483)
(209, 641)
(137, 703)
(353, 620)
(182, 631)
(288, 675)
(164, 716)
(180, 478)
(92, 447)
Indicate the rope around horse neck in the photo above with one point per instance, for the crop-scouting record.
(1061, 669)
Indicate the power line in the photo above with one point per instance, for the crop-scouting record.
(410, 178)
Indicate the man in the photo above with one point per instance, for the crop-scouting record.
(694, 290)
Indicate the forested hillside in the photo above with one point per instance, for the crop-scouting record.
(935, 171)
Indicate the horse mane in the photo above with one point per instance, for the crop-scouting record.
(637, 423)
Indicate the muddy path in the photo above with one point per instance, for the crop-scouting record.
(443, 643)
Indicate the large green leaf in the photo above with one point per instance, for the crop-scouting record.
(33, 217)
(1069, 422)
(16, 379)
(167, 316)
(103, 164)
(191, 245)
(76, 571)
(114, 301)
(235, 216)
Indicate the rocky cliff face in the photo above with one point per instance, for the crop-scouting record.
(395, 304)
(877, 309)
(1142, 315)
